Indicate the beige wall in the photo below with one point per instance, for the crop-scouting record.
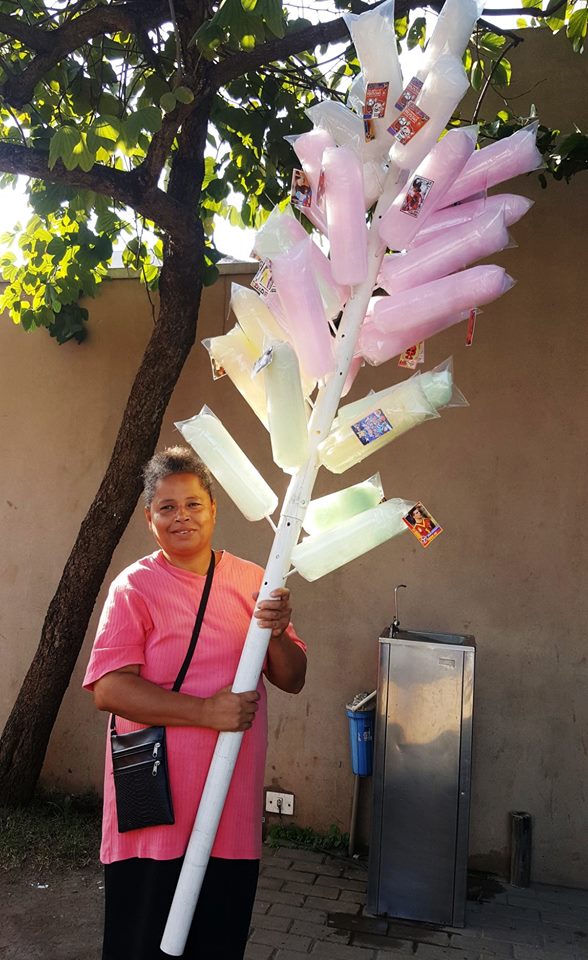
(506, 478)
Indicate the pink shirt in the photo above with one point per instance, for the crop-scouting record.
(148, 619)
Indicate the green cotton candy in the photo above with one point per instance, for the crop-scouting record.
(330, 511)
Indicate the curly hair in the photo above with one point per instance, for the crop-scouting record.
(174, 460)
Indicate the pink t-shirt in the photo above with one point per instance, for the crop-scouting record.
(148, 619)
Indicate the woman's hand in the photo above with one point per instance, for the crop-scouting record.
(275, 613)
(230, 711)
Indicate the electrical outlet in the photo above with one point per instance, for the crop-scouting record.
(279, 802)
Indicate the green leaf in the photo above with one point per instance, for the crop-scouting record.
(502, 73)
(477, 75)
(167, 102)
(63, 142)
(417, 33)
(183, 95)
(577, 29)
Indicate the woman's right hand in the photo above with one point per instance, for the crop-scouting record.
(231, 711)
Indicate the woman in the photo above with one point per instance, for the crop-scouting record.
(142, 639)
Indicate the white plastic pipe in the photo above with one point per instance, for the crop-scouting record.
(257, 640)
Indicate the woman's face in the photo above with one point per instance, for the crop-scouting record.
(181, 518)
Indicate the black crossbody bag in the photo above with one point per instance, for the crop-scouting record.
(139, 759)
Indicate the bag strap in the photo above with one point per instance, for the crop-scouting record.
(196, 631)
(195, 634)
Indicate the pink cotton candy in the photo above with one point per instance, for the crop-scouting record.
(513, 207)
(500, 161)
(309, 148)
(445, 253)
(279, 234)
(395, 323)
(426, 188)
(301, 302)
(345, 215)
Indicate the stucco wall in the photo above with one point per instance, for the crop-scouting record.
(506, 478)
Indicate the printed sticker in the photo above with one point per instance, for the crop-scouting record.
(218, 371)
(471, 326)
(369, 130)
(376, 97)
(412, 356)
(416, 195)
(300, 191)
(263, 361)
(410, 93)
(263, 281)
(372, 427)
(420, 522)
(408, 123)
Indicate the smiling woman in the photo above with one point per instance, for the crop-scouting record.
(141, 643)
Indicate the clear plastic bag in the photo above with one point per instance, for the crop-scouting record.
(452, 32)
(234, 353)
(240, 480)
(440, 388)
(426, 188)
(301, 301)
(507, 158)
(345, 215)
(330, 511)
(322, 553)
(395, 323)
(286, 408)
(512, 206)
(443, 89)
(383, 418)
(445, 253)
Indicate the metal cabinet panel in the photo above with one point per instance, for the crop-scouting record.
(418, 850)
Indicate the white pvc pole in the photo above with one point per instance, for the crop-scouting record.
(257, 640)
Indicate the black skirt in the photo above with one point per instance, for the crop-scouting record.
(138, 895)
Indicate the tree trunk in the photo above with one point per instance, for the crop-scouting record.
(26, 735)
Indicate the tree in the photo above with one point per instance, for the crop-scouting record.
(114, 111)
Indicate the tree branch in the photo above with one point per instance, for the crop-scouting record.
(124, 187)
(52, 45)
(486, 86)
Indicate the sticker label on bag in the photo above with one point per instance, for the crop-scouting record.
(372, 427)
(420, 522)
(218, 370)
(416, 195)
(408, 123)
(412, 356)
(300, 191)
(263, 281)
(376, 97)
(264, 361)
(320, 189)
(471, 326)
(369, 130)
(410, 93)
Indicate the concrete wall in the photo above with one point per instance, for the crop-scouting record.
(506, 478)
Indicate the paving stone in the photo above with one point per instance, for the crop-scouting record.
(269, 921)
(258, 951)
(318, 931)
(260, 906)
(333, 906)
(336, 951)
(352, 895)
(310, 856)
(377, 925)
(292, 876)
(283, 896)
(299, 913)
(344, 883)
(269, 883)
(312, 890)
(285, 941)
(323, 869)
(476, 946)
(279, 857)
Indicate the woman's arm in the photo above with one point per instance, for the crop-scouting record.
(286, 661)
(126, 694)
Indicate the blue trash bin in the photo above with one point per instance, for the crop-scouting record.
(361, 735)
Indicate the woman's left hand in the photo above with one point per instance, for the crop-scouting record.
(274, 613)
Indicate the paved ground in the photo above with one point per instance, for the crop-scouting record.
(308, 905)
